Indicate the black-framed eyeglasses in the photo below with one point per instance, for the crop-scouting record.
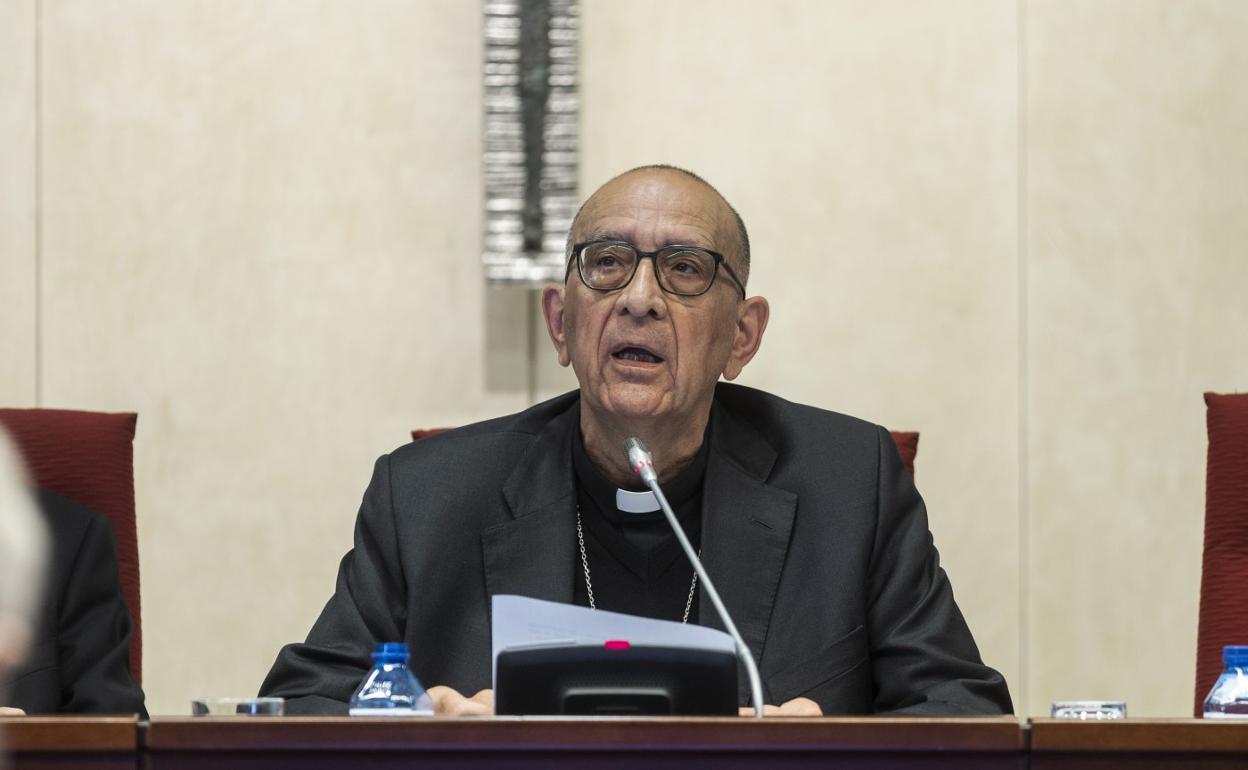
(686, 271)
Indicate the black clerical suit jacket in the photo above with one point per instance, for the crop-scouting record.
(811, 529)
(79, 661)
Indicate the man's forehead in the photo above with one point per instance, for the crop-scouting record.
(658, 205)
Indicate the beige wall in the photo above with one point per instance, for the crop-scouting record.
(1137, 263)
(17, 202)
(1019, 228)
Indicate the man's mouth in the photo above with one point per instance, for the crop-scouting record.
(637, 354)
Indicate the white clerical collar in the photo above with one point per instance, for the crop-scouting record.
(636, 502)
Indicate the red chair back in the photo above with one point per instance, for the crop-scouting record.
(1224, 567)
(88, 457)
(907, 442)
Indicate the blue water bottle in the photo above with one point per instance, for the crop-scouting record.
(391, 689)
(1229, 697)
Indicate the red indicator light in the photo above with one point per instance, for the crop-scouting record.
(617, 644)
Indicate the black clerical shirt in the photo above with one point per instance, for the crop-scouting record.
(636, 564)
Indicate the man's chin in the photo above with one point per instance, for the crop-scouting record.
(634, 402)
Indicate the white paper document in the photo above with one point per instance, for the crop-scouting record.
(523, 623)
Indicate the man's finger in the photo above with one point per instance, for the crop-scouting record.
(472, 708)
(448, 702)
(800, 707)
(485, 698)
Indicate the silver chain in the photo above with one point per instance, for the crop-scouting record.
(589, 584)
(580, 541)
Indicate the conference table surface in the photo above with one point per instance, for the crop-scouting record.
(653, 743)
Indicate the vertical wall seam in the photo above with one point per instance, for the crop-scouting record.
(38, 196)
(1024, 512)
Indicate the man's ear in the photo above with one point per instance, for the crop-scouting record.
(552, 308)
(752, 315)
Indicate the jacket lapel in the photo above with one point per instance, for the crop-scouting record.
(529, 555)
(745, 529)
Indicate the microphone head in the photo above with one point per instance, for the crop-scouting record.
(639, 458)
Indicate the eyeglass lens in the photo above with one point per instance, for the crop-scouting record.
(680, 270)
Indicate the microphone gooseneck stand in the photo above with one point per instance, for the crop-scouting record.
(642, 463)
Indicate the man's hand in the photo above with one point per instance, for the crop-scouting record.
(798, 707)
(9, 711)
(449, 703)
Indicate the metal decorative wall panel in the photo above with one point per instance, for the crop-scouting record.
(531, 142)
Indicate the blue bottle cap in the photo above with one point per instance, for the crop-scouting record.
(391, 652)
(1235, 655)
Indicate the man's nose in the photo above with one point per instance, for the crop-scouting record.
(643, 295)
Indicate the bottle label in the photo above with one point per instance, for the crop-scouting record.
(390, 712)
(1225, 715)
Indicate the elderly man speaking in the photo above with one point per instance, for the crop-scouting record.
(806, 520)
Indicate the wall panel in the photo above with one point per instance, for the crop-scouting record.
(1138, 209)
(262, 234)
(18, 268)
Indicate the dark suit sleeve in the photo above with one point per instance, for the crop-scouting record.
(93, 632)
(368, 606)
(923, 657)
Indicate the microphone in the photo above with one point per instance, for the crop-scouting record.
(642, 463)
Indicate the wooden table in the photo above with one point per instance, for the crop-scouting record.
(107, 743)
(653, 744)
(1135, 744)
(520, 742)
